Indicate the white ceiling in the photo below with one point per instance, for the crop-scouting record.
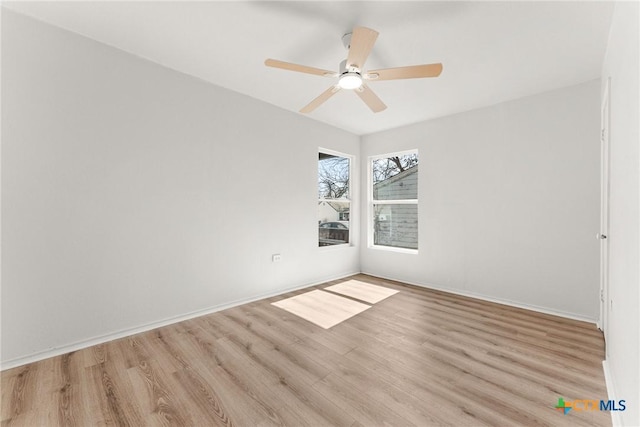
(491, 51)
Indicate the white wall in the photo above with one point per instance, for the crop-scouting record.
(132, 193)
(508, 202)
(623, 339)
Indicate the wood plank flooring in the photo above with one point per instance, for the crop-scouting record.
(417, 358)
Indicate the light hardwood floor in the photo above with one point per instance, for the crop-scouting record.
(419, 357)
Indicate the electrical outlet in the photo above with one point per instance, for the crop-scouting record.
(276, 258)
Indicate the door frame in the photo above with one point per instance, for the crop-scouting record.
(603, 235)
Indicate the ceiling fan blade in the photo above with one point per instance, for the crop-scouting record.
(411, 72)
(320, 99)
(371, 99)
(362, 40)
(299, 68)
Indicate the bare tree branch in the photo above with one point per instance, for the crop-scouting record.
(387, 167)
(333, 178)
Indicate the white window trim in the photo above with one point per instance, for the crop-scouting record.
(350, 199)
(371, 202)
(394, 249)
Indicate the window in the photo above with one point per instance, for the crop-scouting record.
(334, 199)
(393, 201)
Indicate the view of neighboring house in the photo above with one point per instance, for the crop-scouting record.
(397, 224)
(333, 222)
(333, 212)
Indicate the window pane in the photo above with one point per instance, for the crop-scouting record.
(332, 230)
(395, 226)
(333, 177)
(395, 178)
(333, 199)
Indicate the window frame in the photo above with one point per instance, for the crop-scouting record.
(349, 199)
(371, 203)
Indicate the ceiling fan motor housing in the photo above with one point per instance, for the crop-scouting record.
(344, 69)
(346, 40)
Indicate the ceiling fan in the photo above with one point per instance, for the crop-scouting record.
(351, 73)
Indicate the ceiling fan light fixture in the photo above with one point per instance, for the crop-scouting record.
(350, 80)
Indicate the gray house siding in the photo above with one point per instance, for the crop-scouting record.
(397, 225)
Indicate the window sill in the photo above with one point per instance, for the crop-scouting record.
(335, 247)
(392, 249)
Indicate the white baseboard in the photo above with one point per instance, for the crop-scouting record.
(492, 299)
(78, 345)
(616, 420)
